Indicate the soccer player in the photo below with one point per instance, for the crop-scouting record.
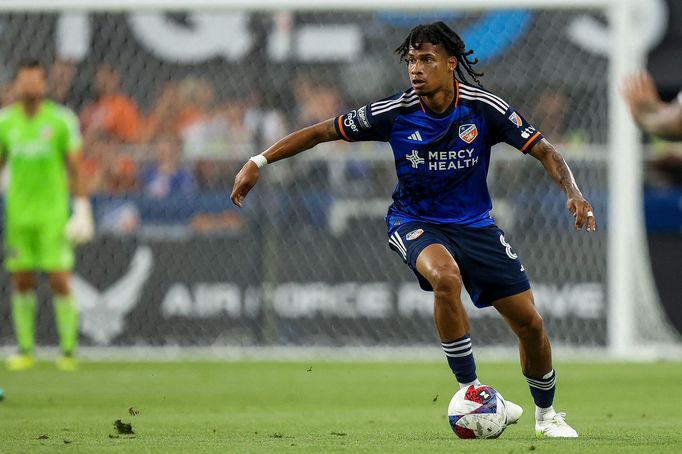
(39, 140)
(650, 113)
(441, 130)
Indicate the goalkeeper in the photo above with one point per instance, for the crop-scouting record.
(40, 141)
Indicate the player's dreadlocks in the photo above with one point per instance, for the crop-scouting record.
(440, 33)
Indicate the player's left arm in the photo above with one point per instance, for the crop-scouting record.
(81, 226)
(79, 186)
(556, 167)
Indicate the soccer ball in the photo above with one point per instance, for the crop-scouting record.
(478, 412)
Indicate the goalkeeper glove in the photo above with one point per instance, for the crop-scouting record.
(81, 227)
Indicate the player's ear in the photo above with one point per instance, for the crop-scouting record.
(452, 63)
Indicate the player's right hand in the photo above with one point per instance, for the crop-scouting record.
(244, 181)
(639, 92)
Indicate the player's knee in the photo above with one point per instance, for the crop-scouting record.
(532, 328)
(24, 282)
(446, 280)
(59, 284)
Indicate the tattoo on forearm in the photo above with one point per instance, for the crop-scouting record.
(564, 177)
(330, 131)
(556, 167)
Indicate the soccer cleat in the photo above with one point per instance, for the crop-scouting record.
(514, 412)
(554, 427)
(66, 363)
(20, 362)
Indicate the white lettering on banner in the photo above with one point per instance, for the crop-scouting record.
(350, 300)
(582, 300)
(252, 301)
(201, 41)
(209, 300)
(202, 37)
(595, 36)
(361, 300)
(177, 302)
(328, 42)
(414, 301)
(205, 38)
(73, 36)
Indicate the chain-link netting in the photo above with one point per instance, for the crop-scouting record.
(172, 104)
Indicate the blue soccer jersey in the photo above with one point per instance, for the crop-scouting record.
(441, 160)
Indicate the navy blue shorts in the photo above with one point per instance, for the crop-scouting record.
(490, 268)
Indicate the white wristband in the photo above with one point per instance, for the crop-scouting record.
(259, 160)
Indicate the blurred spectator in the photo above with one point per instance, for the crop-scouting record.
(266, 123)
(197, 97)
(315, 102)
(179, 107)
(166, 176)
(229, 132)
(162, 121)
(549, 114)
(215, 175)
(61, 84)
(112, 115)
(308, 196)
(107, 170)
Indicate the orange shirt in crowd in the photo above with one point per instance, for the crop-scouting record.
(116, 115)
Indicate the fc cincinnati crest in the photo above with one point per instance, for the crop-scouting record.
(514, 118)
(468, 132)
(413, 235)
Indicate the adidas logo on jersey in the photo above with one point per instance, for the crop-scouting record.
(415, 136)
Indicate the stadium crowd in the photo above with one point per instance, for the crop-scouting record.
(189, 142)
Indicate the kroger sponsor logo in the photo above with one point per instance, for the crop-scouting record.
(349, 121)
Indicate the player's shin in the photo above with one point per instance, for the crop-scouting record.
(66, 316)
(460, 358)
(24, 319)
(542, 389)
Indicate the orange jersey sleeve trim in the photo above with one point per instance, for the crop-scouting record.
(456, 92)
(343, 133)
(529, 141)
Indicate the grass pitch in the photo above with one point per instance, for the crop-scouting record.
(324, 407)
